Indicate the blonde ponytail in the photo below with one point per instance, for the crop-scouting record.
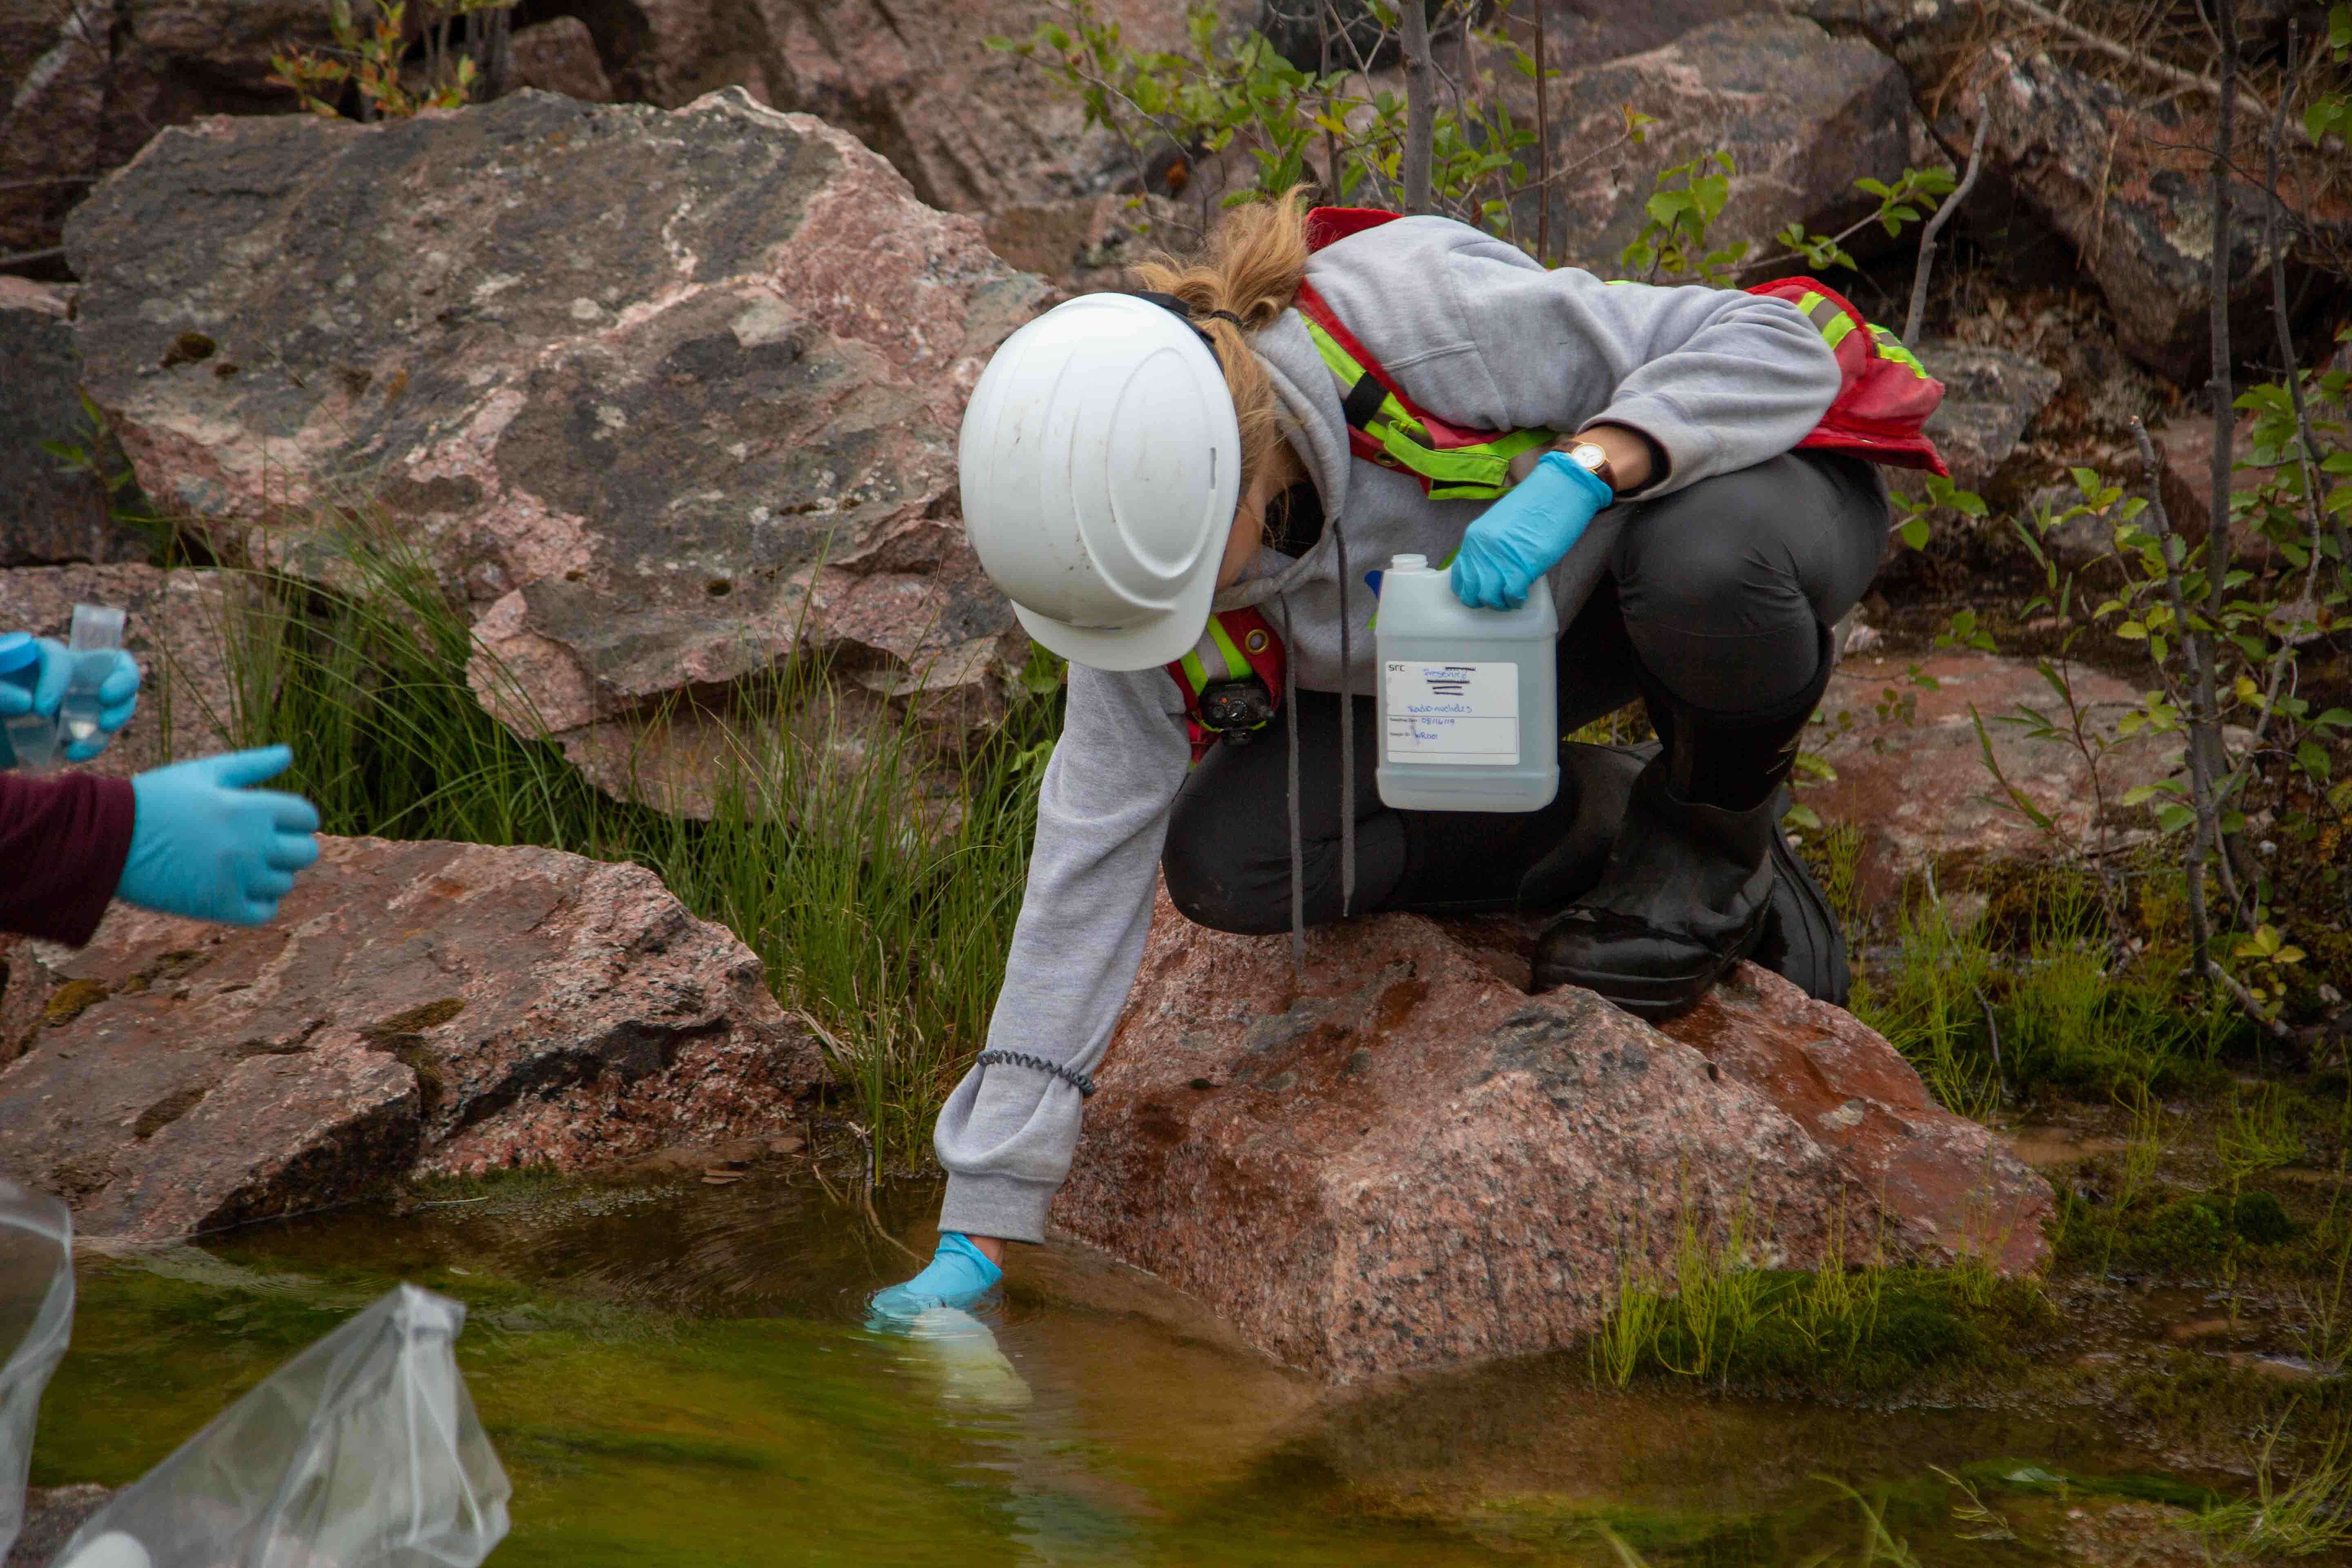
(1250, 270)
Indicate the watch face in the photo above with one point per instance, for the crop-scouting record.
(1588, 456)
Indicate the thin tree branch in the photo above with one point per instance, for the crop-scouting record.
(25, 258)
(1935, 221)
(2225, 431)
(2228, 982)
(1421, 106)
(2201, 789)
(1323, 74)
(1543, 144)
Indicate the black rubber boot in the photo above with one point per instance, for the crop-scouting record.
(1685, 896)
(1689, 889)
(1803, 942)
(1602, 778)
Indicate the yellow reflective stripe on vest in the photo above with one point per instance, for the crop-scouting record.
(1216, 650)
(1479, 471)
(1236, 665)
(1891, 347)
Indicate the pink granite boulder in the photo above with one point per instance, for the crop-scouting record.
(1410, 1161)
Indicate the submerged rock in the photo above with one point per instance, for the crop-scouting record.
(671, 397)
(452, 1007)
(1410, 1162)
(51, 1516)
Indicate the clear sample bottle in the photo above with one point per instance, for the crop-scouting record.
(96, 629)
(32, 738)
(1468, 706)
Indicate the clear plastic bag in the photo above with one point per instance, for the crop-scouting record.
(36, 1302)
(361, 1452)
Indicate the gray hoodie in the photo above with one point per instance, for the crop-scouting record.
(1477, 333)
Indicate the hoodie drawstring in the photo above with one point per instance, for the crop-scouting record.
(1297, 841)
(1347, 739)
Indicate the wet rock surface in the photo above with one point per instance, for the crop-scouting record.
(49, 512)
(1413, 1162)
(180, 629)
(1804, 114)
(455, 1006)
(672, 395)
(1914, 781)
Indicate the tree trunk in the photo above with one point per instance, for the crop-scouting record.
(1420, 107)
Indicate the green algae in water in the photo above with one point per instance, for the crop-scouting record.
(676, 1376)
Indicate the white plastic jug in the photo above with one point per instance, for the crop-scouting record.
(1468, 708)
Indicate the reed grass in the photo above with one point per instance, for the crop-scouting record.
(878, 884)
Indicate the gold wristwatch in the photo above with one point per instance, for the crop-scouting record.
(1593, 459)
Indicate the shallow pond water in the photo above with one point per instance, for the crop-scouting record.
(677, 1374)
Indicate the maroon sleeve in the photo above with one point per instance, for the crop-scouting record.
(62, 845)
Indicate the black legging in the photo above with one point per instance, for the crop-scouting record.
(1716, 593)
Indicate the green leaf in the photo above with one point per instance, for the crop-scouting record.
(1915, 532)
(2173, 818)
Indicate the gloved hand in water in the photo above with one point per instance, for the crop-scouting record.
(1523, 535)
(958, 1275)
(207, 844)
(118, 691)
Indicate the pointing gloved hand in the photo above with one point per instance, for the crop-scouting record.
(1523, 535)
(958, 1275)
(118, 691)
(206, 845)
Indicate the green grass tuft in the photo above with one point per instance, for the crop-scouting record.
(878, 885)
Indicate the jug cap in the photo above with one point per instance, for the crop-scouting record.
(17, 649)
(1408, 562)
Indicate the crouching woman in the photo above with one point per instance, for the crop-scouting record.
(1133, 463)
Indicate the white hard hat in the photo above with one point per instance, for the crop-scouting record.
(1100, 462)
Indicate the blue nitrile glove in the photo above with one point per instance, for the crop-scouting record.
(207, 844)
(958, 1275)
(1523, 535)
(117, 692)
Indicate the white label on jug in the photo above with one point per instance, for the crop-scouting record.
(1454, 713)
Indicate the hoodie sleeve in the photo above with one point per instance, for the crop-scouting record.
(1721, 379)
(1006, 1135)
(63, 841)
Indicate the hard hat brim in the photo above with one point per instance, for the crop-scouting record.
(1161, 639)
